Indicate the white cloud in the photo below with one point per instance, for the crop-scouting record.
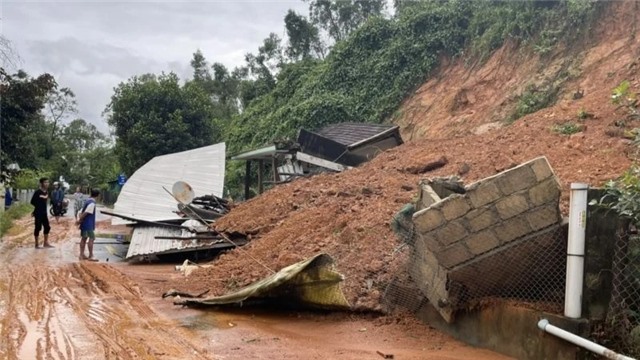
(91, 46)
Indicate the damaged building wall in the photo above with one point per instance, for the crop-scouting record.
(462, 237)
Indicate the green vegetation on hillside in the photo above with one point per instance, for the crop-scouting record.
(349, 61)
(366, 76)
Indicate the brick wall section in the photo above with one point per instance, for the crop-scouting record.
(493, 213)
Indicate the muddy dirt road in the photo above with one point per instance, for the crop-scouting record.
(55, 307)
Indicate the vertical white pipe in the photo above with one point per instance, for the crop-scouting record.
(575, 250)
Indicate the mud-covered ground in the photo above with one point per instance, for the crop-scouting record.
(55, 307)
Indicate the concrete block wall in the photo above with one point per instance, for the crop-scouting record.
(493, 213)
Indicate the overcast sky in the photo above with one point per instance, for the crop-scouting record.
(91, 46)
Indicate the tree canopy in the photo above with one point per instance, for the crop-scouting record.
(41, 133)
(340, 18)
(155, 115)
(22, 99)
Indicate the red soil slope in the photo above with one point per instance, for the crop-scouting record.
(347, 215)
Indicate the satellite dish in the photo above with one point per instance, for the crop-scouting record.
(183, 192)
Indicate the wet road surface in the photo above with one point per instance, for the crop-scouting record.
(55, 307)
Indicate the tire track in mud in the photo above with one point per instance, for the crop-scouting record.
(124, 321)
(82, 311)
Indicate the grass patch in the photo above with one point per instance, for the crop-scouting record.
(567, 128)
(534, 98)
(16, 211)
(584, 114)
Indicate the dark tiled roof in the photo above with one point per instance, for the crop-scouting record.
(351, 133)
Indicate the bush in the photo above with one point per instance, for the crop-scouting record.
(28, 179)
(534, 98)
(621, 195)
(567, 128)
(626, 99)
(584, 114)
(14, 212)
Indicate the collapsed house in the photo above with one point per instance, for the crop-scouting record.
(334, 148)
(161, 225)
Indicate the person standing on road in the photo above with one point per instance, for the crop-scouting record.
(78, 202)
(39, 202)
(8, 199)
(57, 197)
(87, 222)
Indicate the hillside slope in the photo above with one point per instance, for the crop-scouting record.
(347, 215)
(468, 99)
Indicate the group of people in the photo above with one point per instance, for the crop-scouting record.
(85, 213)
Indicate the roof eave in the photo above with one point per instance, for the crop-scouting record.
(378, 136)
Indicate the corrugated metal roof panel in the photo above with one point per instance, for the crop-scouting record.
(143, 242)
(350, 133)
(142, 196)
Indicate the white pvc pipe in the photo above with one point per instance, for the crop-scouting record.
(575, 250)
(580, 341)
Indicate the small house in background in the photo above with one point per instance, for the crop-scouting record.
(336, 147)
(349, 144)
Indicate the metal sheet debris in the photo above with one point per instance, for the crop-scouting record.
(145, 242)
(312, 282)
(142, 196)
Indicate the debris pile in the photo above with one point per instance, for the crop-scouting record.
(159, 229)
(348, 215)
(207, 208)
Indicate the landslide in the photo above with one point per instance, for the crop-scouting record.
(347, 215)
(467, 97)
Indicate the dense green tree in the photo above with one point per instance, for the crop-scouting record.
(200, 68)
(246, 89)
(88, 156)
(340, 18)
(103, 165)
(22, 99)
(35, 134)
(154, 115)
(263, 67)
(221, 85)
(61, 105)
(304, 39)
(82, 136)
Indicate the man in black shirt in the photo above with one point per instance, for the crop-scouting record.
(39, 202)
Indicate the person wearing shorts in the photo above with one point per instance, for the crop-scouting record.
(87, 222)
(39, 202)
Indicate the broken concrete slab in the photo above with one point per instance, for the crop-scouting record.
(460, 235)
(433, 190)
